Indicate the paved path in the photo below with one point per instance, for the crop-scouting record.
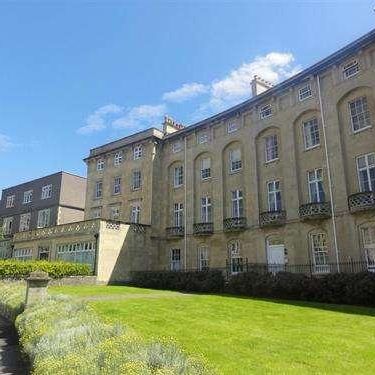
(10, 357)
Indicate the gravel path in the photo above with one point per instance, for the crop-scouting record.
(11, 362)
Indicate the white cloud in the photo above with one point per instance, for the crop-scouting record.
(185, 92)
(5, 143)
(99, 120)
(139, 117)
(235, 87)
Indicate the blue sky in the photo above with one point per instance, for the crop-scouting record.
(77, 74)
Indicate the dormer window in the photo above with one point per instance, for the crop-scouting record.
(232, 126)
(100, 165)
(351, 69)
(265, 111)
(176, 147)
(304, 92)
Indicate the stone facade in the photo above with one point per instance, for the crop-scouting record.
(282, 167)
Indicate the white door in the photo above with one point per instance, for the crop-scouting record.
(276, 257)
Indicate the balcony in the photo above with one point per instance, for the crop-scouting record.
(315, 211)
(173, 232)
(203, 229)
(234, 224)
(272, 218)
(362, 201)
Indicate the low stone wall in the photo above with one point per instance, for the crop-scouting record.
(74, 280)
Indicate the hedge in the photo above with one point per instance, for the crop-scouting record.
(16, 269)
(62, 336)
(189, 281)
(339, 288)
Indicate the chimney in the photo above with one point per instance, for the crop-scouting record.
(170, 125)
(259, 85)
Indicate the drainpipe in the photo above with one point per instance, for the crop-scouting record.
(329, 175)
(185, 204)
(95, 271)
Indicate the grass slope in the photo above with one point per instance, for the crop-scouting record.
(243, 336)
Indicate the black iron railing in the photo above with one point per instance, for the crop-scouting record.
(272, 218)
(362, 201)
(203, 228)
(175, 231)
(234, 224)
(317, 210)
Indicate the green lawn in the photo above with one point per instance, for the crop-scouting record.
(245, 336)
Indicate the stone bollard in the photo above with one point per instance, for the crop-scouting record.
(36, 291)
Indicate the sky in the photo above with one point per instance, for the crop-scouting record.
(77, 74)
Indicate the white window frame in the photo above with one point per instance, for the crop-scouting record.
(136, 179)
(46, 192)
(44, 218)
(369, 246)
(365, 113)
(351, 69)
(232, 126)
(319, 253)
(271, 149)
(27, 197)
(273, 190)
(206, 168)
(98, 192)
(135, 213)
(137, 152)
(96, 212)
(312, 126)
(176, 147)
(206, 209)
(115, 212)
(304, 92)
(178, 176)
(203, 257)
(313, 183)
(8, 224)
(118, 158)
(23, 254)
(175, 259)
(235, 258)
(100, 164)
(25, 222)
(10, 201)
(178, 214)
(117, 185)
(237, 204)
(202, 138)
(235, 164)
(265, 111)
(366, 168)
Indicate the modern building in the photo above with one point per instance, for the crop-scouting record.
(51, 200)
(286, 177)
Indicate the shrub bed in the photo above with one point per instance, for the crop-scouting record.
(16, 269)
(340, 288)
(190, 281)
(63, 337)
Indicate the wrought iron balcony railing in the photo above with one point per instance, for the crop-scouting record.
(272, 218)
(362, 201)
(175, 231)
(313, 211)
(203, 228)
(234, 224)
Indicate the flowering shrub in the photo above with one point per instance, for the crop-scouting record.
(16, 269)
(65, 337)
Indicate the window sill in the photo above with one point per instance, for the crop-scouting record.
(207, 179)
(271, 161)
(177, 187)
(235, 172)
(361, 130)
(304, 99)
(312, 147)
